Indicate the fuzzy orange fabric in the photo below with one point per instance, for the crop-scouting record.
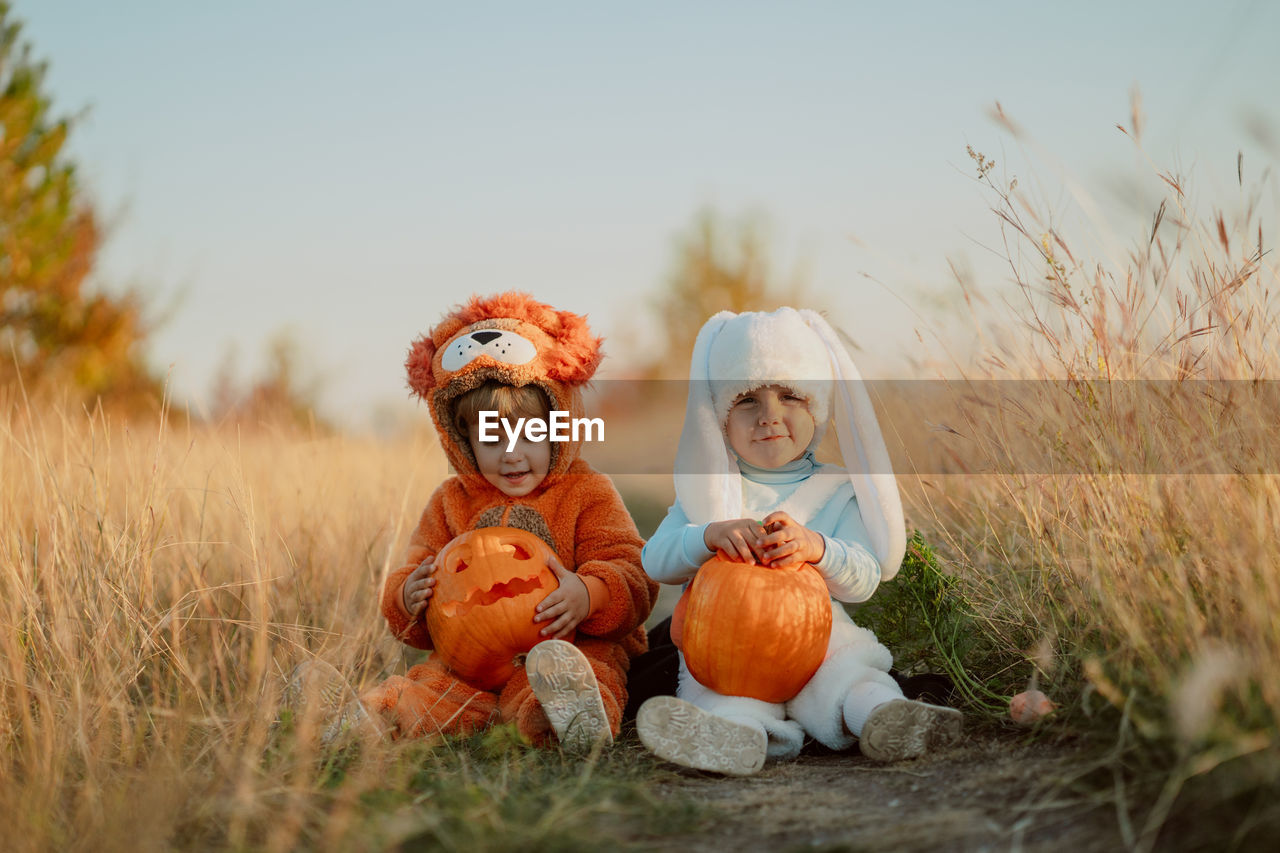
(575, 509)
(587, 526)
(567, 351)
(430, 700)
(566, 357)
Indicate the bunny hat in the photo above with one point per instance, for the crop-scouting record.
(736, 353)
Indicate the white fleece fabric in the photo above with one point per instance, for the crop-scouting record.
(677, 548)
(786, 737)
(738, 352)
(864, 531)
(854, 658)
(854, 655)
(754, 349)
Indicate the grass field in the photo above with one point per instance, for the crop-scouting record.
(1116, 517)
(158, 582)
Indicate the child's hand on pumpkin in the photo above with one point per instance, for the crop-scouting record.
(738, 537)
(418, 587)
(568, 604)
(788, 542)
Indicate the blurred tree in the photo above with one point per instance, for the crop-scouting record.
(281, 395)
(53, 332)
(718, 267)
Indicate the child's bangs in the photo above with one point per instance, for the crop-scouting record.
(509, 401)
(796, 388)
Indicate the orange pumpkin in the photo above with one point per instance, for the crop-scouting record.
(488, 582)
(747, 629)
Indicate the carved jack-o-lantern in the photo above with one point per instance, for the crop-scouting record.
(488, 582)
(752, 630)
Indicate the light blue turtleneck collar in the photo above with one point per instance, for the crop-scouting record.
(793, 472)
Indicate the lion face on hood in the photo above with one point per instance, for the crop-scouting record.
(510, 338)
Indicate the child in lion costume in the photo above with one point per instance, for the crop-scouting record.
(517, 356)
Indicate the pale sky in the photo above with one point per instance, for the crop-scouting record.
(348, 171)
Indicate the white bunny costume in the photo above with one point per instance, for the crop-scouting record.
(856, 508)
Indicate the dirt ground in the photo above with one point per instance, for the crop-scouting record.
(992, 792)
(997, 790)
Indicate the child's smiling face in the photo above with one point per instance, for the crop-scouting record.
(515, 473)
(770, 426)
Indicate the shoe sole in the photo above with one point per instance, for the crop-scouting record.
(338, 712)
(684, 734)
(562, 680)
(905, 728)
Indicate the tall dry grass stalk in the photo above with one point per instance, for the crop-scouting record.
(155, 587)
(1121, 519)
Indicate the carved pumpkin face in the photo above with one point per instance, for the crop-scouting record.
(488, 582)
(750, 630)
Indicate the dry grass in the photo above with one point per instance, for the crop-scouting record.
(156, 582)
(155, 587)
(1122, 494)
(159, 583)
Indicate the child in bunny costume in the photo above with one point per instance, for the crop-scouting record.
(762, 389)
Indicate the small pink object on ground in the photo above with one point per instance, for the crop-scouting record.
(1029, 707)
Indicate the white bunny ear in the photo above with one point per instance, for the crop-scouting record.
(708, 484)
(865, 456)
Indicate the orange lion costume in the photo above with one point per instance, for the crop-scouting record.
(575, 509)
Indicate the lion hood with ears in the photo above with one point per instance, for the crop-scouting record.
(576, 509)
(512, 339)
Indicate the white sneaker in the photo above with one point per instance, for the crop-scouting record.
(319, 696)
(904, 728)
(684, 734)
(561, 678)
